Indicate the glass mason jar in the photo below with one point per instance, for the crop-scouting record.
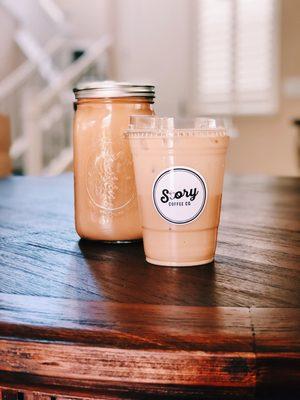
(105, 195)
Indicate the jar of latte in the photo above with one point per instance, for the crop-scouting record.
(105, 196)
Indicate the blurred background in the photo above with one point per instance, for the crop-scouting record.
(239, 59)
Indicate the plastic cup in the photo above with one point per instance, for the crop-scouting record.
(179, 178)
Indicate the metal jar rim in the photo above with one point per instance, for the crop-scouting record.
(107, 89)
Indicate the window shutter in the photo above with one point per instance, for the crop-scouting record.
(236, 57)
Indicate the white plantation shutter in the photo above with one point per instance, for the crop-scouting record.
(236, 69)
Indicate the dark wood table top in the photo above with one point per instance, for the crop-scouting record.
(95, 319)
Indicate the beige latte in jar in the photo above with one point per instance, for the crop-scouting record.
(105, 195)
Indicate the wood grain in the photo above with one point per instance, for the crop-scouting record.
(139, 326)
(83, 319)
(133, 392)
(257, 261)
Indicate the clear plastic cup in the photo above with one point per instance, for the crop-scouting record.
(179, 178)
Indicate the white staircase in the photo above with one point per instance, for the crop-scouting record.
(38, 94)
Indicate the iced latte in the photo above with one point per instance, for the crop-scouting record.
(179, 177)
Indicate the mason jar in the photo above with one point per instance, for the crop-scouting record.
(106, 205)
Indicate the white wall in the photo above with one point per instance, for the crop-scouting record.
(153, 45)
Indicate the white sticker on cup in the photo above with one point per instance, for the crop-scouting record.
(179, 194)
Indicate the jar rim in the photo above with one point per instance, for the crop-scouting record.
(107, 89)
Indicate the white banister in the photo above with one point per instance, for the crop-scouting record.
(73, 72)
(22, 73)
(60, 163)
(38, 94)
(41, 110)
(36, 54)
(54, 12)
(18, 147)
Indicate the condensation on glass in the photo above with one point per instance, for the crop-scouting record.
(105, 194)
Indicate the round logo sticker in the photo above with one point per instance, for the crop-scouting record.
(179, 194)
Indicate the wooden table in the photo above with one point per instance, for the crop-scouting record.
(84, 319)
